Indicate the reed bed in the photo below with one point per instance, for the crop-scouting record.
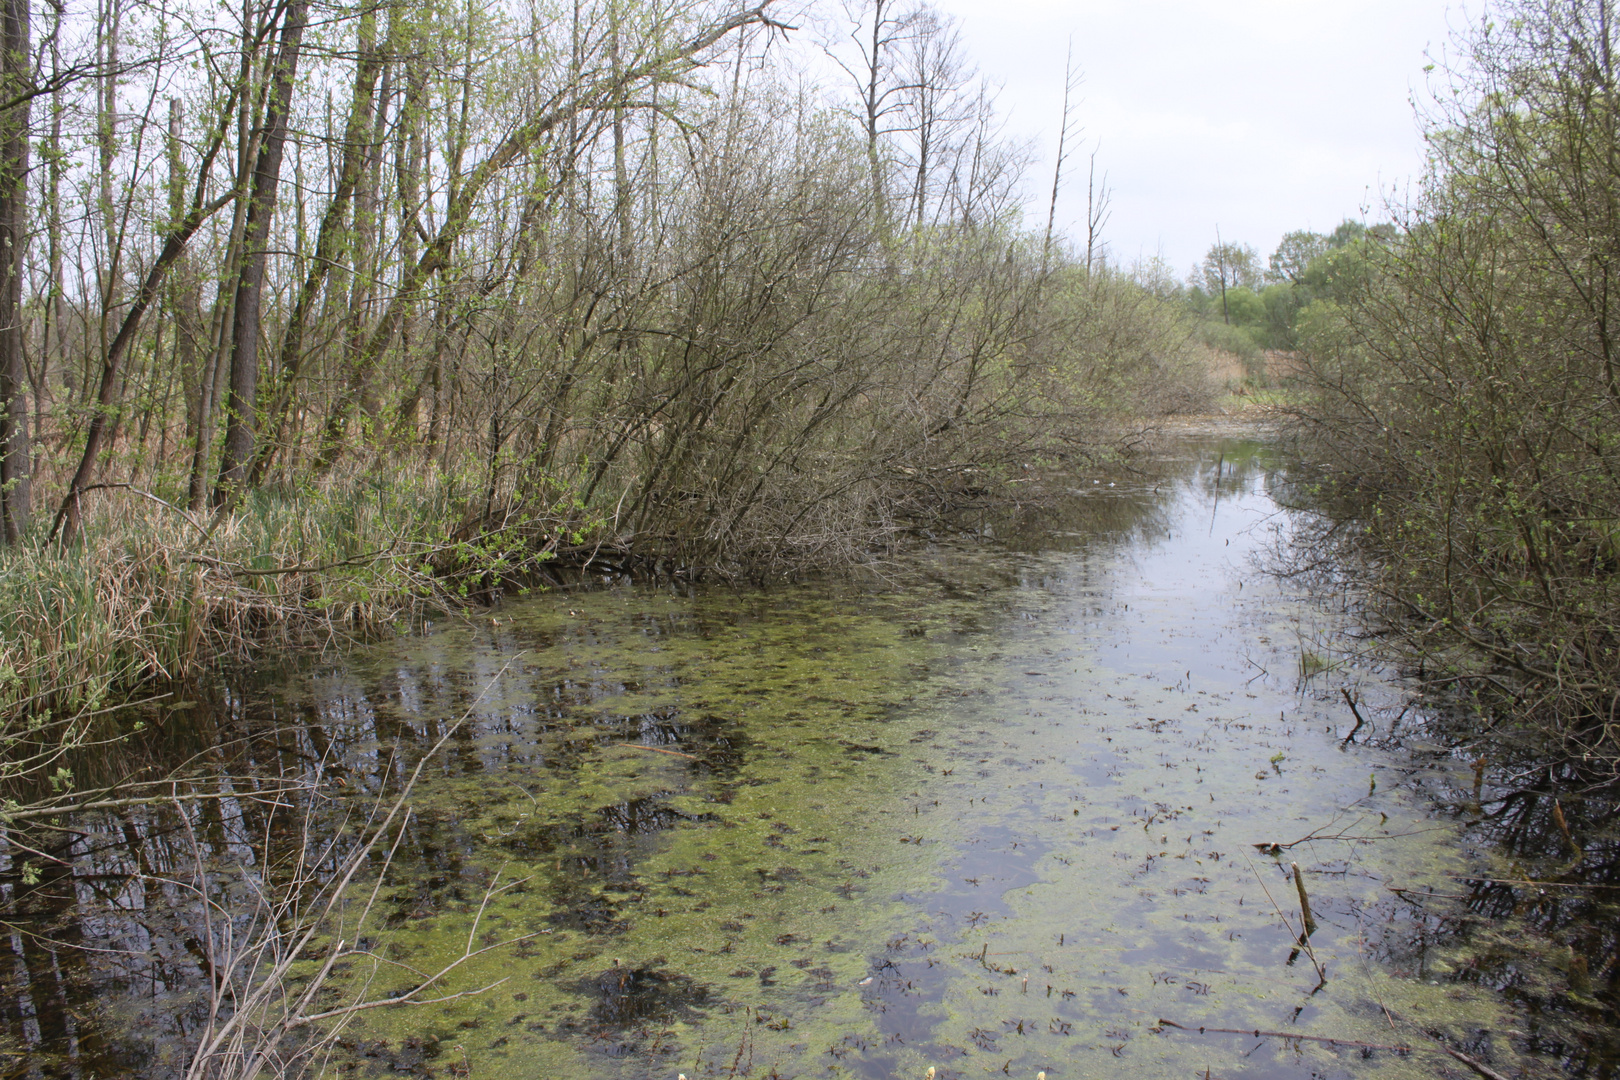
(153, 595)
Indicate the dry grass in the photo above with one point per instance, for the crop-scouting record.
(152, 594)
(1228, 370)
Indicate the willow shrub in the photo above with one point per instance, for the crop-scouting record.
(1464, 404)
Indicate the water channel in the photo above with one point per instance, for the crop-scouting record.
(993, 810)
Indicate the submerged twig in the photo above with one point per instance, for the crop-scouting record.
(1256, 1033)
(1360, 721)
(656, 750)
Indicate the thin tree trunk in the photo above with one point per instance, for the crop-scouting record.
(1057, 169)
(874, 117)
(241, 406)
(621, 178)
(52, 354)
(330, 246)
(183, 292)
(408, 154)
(110, 270)
(209, 385)
(368, 228)
(15, 74)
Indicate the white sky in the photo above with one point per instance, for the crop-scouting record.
(1257, 116)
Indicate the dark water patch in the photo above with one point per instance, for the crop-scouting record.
(412, 1055)
(637, 996)
(594, 881)
(598, 844)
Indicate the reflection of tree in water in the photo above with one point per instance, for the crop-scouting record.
(110, 974)
(1540, 923)
(47, 973)
(110, 970)
(1129, 504)
(1555, 946)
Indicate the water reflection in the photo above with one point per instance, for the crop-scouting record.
(993, 807)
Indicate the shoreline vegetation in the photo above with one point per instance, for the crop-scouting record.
(316, 318)
(155, 598)
(332, 315)
(1459, 404)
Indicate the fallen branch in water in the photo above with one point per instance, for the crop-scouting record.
(1472, 1062)
(1360, 723)
(656, 750)
(1523, 881)
(1271, 847)
(1439, 1047)
(1258, 1034)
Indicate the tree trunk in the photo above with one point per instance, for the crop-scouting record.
(15, 74)
(621, 178)
(241, 406)
(873, 120)
(110, 267)
(330, 246)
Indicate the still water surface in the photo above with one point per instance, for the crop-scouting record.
(994, 810)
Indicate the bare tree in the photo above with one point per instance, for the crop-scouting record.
(1098, 210)
(877, 29)
(935, 111)
(1071, 83)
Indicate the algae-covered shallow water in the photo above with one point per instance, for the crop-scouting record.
(992, 811)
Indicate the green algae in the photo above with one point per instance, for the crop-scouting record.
(996, 816)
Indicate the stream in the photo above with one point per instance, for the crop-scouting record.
(994, 809)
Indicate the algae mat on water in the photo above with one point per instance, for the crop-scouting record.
(995, 816)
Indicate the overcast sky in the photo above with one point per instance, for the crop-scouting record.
(1256, 116)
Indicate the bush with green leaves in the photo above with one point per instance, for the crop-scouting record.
(1464, 391)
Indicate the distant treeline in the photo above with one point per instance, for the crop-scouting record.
(1243, 305)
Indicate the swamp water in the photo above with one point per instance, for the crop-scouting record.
(995, 812)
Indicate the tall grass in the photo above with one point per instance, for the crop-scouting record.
(153, 594)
